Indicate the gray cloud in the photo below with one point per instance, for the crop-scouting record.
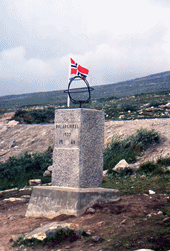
(38, 37)
(163, 3)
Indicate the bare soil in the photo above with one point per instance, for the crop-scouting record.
(111, 222)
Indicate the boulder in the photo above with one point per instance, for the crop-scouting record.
(168, 105)
(151, 192)
(42, 232)
(47, 173)
(104, 173)
(90, 210)
(12, 123)
(35, 182)
(121, 165)
(121, 117)
(50, 168)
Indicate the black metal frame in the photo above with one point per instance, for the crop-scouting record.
(79, 90)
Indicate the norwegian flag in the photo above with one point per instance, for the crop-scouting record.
(77, 70)
(73, 70)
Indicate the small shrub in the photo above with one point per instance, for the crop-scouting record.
(156, 103)
(60, 235)
(128, 107)
(123, 173)
(153, 168)
(37, 116)
(163, 162)
(17, 171)
(26, 242)
(129, 148)
(111, 111)
(146, 138)
(146, 168)
(116, 151)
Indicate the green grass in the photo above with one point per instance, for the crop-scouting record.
(17, 171)
(138, 184)
(129, 148)
(149, 176)
(157, 168)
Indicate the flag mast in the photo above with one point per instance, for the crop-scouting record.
(68, 98)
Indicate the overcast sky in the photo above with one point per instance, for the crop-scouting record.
(115, 39)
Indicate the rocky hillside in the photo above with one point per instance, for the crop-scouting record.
(153, 83)
(123, 129)
(16, 139)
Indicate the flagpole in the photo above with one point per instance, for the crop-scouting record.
(68, 101)
(68, 98)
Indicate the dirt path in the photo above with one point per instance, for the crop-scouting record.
(108, 221)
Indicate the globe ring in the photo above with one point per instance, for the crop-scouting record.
(79, 90)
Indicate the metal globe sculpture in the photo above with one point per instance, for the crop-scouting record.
(86, 89)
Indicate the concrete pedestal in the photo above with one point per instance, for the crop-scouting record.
(52, 201)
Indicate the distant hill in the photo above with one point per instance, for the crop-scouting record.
(153, 83)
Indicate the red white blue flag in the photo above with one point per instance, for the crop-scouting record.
(77, 70)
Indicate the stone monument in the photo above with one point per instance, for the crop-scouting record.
(77, 172)
(77, 166)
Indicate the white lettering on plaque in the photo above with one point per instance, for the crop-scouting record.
(67, 135)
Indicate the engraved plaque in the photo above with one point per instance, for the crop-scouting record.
(67, 135)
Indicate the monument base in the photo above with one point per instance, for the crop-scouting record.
(52, 201)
